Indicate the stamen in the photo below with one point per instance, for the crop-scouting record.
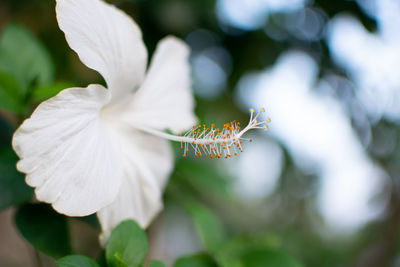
(225, 143)
(213, 142)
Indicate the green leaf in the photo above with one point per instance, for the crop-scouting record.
(25, 58)
(76, 261)
(118, 261)
(45, 229)
(127, 244)
(13, 189)
(9, 94)
(155, 263)
(202, 260)
(208, 227)
(45, 92)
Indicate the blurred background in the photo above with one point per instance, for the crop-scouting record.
(321, 185)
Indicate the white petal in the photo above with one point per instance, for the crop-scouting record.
(164, 101)
(66, 152)
(106, 40)
(148, 163)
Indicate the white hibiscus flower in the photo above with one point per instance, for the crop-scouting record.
(81, 149)
(101, 150)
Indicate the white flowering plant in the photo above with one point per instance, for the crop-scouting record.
(98, 149)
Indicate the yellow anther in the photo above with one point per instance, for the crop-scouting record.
(220, 142)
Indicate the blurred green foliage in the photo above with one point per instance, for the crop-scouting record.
(201, 260)
(44, 228)
(10, 99)
(208, 227)
(26, 71)
(26, 64)
(36, 63)
(13, 190)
